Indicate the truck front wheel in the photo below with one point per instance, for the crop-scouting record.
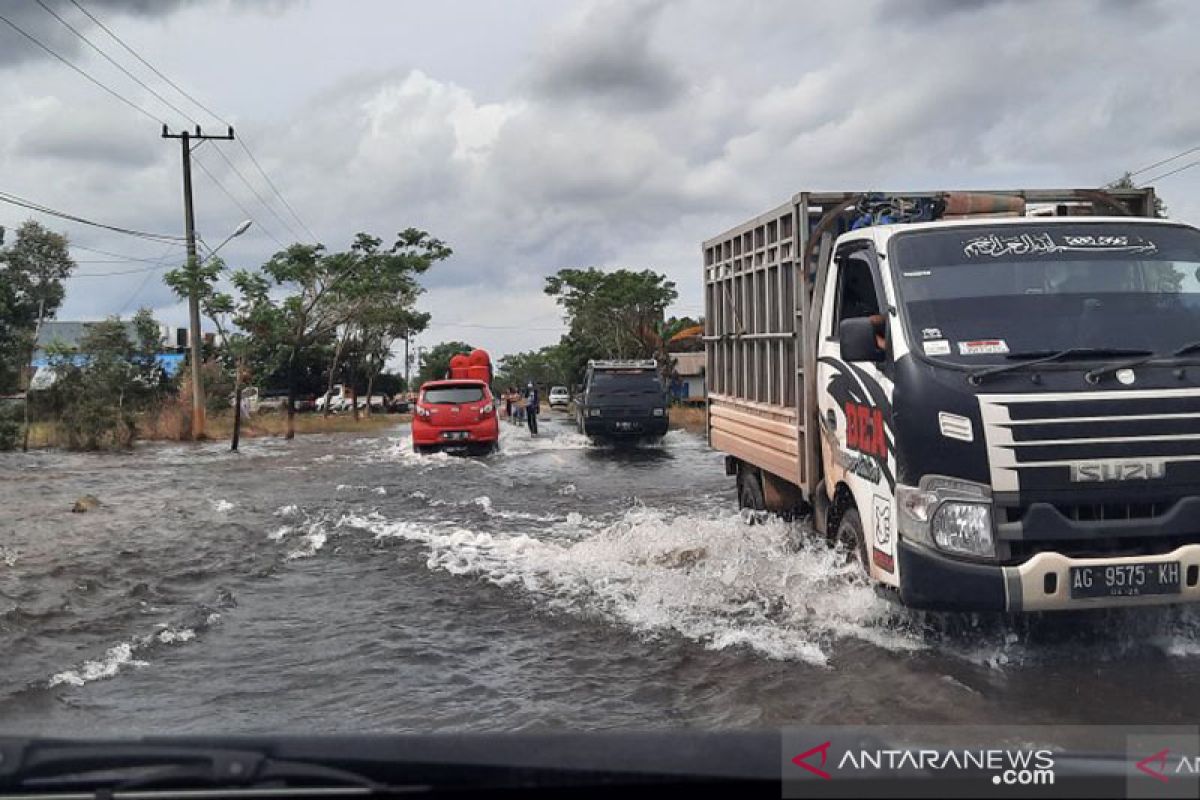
(851, 539)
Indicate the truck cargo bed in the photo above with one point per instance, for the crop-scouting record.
(759, 278)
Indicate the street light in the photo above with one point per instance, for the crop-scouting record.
(238, 231)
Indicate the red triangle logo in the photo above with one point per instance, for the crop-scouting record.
(1159, 758)
(802, 760)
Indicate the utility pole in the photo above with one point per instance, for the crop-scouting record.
(407, 385)
(420, 351)
(193, 267)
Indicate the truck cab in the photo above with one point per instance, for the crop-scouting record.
(989, 413)
(623, 400)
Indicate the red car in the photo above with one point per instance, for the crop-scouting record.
(455, 414)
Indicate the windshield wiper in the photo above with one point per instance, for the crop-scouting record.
(1094, 374)
(119, 767)
(1031, 358)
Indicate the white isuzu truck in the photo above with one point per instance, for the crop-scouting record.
(992, 399)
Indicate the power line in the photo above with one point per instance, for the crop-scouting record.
(258, 197)
(1175, 171)
(208, 111)
(114, 62)
(1149, 167)
(82, 72)
(493, 327)
(150, 66)
(236, 202)
(120, 256)
(6, 197)
(278, 194)
(139, 270)
(145, 280)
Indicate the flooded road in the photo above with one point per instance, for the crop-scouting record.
(341, 583)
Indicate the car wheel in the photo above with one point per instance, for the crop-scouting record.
(851, 539)
(750, 498)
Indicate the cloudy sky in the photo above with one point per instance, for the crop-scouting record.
(544, 134)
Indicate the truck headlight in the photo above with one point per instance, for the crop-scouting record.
(964, 528)
(658, 412)
(953, 515)
(593, 412)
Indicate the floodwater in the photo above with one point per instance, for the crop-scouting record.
(341, 583)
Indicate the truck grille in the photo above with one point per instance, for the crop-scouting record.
(1096, 512)
(624, 412)
(1034, 440)
(1046, 452)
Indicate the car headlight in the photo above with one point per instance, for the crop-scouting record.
(953, 515)
(593, 412)
(658, 412)
(964, 528)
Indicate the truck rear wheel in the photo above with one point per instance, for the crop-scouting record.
(750, 497)
(851, 539)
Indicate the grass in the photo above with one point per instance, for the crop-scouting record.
(221, 427)
(689, 418)
(171, 423)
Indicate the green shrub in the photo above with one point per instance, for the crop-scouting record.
(10, 426)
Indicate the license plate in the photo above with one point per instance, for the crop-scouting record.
(626, 426)
(1125, 580)
(455, 435)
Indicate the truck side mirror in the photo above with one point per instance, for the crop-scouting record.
(856, 336)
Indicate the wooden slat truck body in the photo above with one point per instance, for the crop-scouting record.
(941, 378)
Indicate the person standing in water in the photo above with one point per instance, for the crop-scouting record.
(531, 408)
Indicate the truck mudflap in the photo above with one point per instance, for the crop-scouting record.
(1047, 581)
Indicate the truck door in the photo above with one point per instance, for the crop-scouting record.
(854, 404)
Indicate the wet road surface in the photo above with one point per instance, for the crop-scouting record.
(341, 583)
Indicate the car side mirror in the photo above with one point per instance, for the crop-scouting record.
(857, 339)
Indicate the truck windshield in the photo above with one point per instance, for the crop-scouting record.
(976, 295)
(632, 382)
(453, 394)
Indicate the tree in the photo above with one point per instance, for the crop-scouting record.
(616, 314)
(378, 297)
(435, 362)
(553, 365)
(32, 272)
(236, 349)
(99, 388)
(1126, 182)
(304, 296)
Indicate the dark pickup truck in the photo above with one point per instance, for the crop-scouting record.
(623, 400)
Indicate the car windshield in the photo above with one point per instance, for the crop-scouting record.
(449, 395)
(976, 295)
